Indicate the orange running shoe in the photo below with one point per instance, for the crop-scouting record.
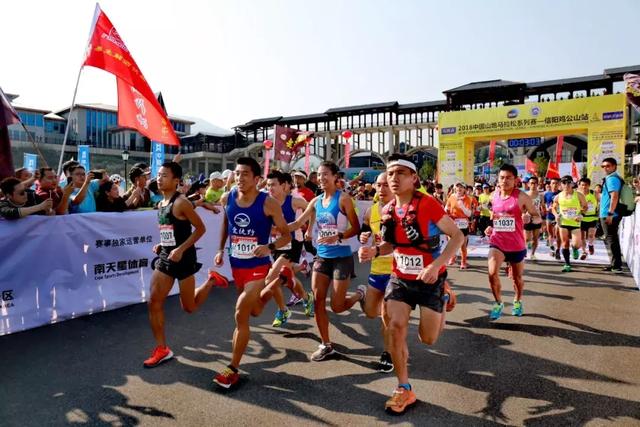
(451, 303)
(160, 354)
(219, 280)
(227, 378)
(400, 400)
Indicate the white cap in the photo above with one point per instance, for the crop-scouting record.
(215, 175)
(300, 173)
(226, 173)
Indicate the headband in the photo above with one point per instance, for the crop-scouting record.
(402, 162)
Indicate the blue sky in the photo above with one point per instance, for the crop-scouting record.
(233, 61)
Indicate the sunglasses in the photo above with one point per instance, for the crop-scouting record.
(605, 166)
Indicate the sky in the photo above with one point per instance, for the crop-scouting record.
(230, 62)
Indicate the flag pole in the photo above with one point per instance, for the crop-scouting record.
(35, 145)
(66, 131)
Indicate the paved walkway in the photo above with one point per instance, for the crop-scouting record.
(573, 359)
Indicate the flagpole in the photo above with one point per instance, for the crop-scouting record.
(66, 131)
(35, 145)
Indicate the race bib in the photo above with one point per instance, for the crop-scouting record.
(409, 264)
(570, 213)
(504, 224)
(328, 230)
(276, 237)
(461, 223)
(167, 238)
(590, 207)
(242, 247)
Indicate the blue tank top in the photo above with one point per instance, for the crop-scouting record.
(247, 228)
(548, 201)
(288, 212)
(330, 222)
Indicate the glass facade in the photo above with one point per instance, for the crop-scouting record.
(98, 123)
(178, 126)
(31, 119)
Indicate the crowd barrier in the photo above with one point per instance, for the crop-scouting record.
(629, 233)
(58, 268)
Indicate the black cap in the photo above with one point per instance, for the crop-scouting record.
(135, 172)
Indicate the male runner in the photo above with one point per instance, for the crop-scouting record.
(484, 200)
(337, 221)
(380, 266)
(506, 237)
(568, 207)
(292, 251)
(552, 229)
(533, 230)
(589, 223)
(459, 208)
(177, 259)
(411, 226)
(249, 215)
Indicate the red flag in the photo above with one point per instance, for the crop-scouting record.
(531, 167)
(552, 170)
(136, 112)
(574, 171)
(107, 51)
(8, 116)
(492, 152)
(559, 143)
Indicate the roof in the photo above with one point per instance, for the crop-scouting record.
(422, 106)
(486, 84)
(581, 81)
(366, 108)
(306, 118)
(258, 123)
(53, 116)
(201, 126)
(113, 109)
(617, 73)
(25, 108)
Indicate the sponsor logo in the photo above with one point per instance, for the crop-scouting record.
(6, 298)
(242, 220)
(535, 111)
(448, 131)
(512, 114)
(613, 115)
(114, 38)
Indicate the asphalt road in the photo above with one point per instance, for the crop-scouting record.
(573, 359)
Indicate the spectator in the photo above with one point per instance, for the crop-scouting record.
(609, 217)
(302, 190)
(48, 188)
(17, 203)
(27, 178)
(138, 178)
(109, 199)
(312, 183)
(67, 166)
(228, 178)
(369, 191)
(83, 196)
(215, 189)
(156, 196)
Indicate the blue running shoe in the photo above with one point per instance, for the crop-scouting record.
(281, 318)
(496, 311)
(517, 308)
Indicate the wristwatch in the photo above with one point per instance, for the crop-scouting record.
(272, 246)
(340, 236)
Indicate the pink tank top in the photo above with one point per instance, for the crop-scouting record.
(508, 229)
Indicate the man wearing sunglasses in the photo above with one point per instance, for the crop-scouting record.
(609, 219)
(16, 203)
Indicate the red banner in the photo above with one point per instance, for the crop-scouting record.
(107, 51)
(559, 144)
(575, 174)
(552, 170)
(492, 153)
(285, 143)
(531, 167)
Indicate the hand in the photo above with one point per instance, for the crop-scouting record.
(46, 205)
(68, 189)
(218, 260)
(429, 274)
(262, 251)
(488, 231)
(215, 210)
(156, 249)
(89, 177)
(366, 253)
(361, 173)
(36, 175)
(328, 240)
(526, 218)
(364, 237)
(308, 235)
(177, 157)
(175, 255)
(608, 220)
(199, 202)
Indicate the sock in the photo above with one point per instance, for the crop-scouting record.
(565, 254)
(235, 370)
(406, 386)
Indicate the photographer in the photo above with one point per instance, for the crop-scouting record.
(85, 187)
(17, 203)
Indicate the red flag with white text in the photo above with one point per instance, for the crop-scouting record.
(552, 170)
(531, 167)
(575, 174)
(107, 51)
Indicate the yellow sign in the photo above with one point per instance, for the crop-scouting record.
(602, 118)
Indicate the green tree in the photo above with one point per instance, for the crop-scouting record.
(542, 163)
(427, 171)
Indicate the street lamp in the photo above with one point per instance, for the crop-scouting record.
(125, 157)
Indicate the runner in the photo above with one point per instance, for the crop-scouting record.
(177, 259)
(372, 305)
(290, 253)
(589, 223)
(334, 213)
(459, 208)
(506, 238)
(484, 200)
(568, 207)
(249, 215)
(533, 230)
(552, 226)
(411, 227)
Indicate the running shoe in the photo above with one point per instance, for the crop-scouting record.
(281, 318)
(558, 254)
(496, 310)
(451, 298)
(517, 308)
(295, 299)
(226, 378)
(533, 257)
(583, 256)
(286, 274)
(591, 250)
(400, 400)
(615, 270)
(362, 291)
(308, 305)
(575, 252)
(552, 248)
(160, 354)
(452, 261)
(385, 364)
(566, 268)
(464, 265)
(219, 280)
(323, 351)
